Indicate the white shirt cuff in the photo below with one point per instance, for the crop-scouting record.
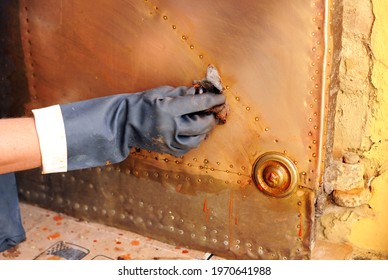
(52, 138)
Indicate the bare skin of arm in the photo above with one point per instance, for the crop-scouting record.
(19, 145)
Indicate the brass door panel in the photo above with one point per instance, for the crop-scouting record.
(271, 55)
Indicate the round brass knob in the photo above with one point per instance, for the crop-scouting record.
(275, 174)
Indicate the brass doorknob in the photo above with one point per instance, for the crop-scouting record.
(275, 174)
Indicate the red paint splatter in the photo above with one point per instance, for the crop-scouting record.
(95, 241)
(118, 242)
(135, 242)
(57, 218)
(125, 257)
(185, 251)
(119, 249)
(204, 206)
(54, 236)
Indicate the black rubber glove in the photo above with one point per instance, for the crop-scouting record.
(165, 119)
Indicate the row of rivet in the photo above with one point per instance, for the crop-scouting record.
(29, 54)
(192, 47)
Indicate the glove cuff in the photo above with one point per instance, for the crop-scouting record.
(52, 139)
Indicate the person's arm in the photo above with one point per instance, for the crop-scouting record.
(19, 145)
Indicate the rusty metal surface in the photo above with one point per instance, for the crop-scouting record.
(271, 57)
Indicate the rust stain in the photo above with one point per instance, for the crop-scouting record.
(54, 236)
(125, 257)
(300, 233)
(185, 251)
(44, 228)
(95, 241)
(118, 249)
(118, 242)
(58, 223)
(204, 205)
(135, 242)
(230, 216)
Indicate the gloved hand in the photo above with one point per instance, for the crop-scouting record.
(103, 130)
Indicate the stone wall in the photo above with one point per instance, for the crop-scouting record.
(353, 221)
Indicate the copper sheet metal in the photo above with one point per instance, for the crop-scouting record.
(271, 55)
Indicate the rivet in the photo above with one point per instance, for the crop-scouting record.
(174, 27)
(165, 17)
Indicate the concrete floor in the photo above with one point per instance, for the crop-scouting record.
(55, 236)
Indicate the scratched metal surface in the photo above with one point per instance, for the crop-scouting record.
(271, 57)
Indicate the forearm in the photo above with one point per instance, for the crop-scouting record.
(19, 145)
